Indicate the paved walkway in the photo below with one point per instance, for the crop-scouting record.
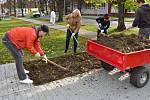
(84, 33)
(95, 85)
(113, 21)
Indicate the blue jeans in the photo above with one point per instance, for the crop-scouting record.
(144, 33)
(17, 54)
(68, 36)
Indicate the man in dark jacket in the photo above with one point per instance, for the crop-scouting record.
(142, 19)
(103, 24)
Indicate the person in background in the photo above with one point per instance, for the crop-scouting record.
(73, 21)
(25, 38)
(142, 19)
(53, 17)
(103, 24)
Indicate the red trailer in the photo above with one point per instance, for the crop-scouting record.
(132, 64)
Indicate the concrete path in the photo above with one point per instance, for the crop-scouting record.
(84, 33)
(95, 85)
(112, 23)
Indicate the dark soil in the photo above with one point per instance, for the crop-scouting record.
(124, 43)
(41, 73)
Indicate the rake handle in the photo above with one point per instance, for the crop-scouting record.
(49, 61)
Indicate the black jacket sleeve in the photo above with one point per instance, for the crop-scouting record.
(108, 24)
(136, 20)
(98, 20)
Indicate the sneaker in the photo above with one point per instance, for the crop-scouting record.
(74, 52)
(26, 71)
(26, 81)
(65, 51)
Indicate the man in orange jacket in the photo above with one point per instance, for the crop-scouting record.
(24, 37)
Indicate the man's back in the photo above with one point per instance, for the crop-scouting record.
(143, 17)
(20, 36)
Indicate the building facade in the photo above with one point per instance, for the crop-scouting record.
(87, 9)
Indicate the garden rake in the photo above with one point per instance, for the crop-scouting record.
(77, 42)
(53, 63)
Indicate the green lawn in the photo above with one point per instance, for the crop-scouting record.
(5, 25)
(127, 31)
(89, 27)
(127, 19)
(53, 45)
(92, 27)
(41, 19)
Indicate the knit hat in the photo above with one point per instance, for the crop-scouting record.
(45, 29)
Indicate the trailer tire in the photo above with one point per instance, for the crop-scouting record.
(139, 77)
(107, 66)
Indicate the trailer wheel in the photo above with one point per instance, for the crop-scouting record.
(107, 66)
(139, 77)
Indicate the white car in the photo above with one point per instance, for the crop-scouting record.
(36, 14)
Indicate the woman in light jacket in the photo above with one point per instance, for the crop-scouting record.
(73, 21)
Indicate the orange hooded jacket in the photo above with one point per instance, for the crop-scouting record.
(24, 37)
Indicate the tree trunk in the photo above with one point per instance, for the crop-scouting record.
(54, 5)
(60, 6)
(35, 4)
(41, 6)
(72, 3)
(121, 24)
(14, 7)
(109, 8)
(46, 6)
(1, 6)
(80, 4)
(9, 6)
(22, 7)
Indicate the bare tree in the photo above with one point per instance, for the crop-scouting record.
(41, 6)
(22, 5)
(60, 7)
(121, 7)
(14, 6)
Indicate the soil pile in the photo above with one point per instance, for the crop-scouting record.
(41, 73)
(124, 43)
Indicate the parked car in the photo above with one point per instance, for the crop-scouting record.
(36, 14)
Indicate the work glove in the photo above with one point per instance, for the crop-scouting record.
(44, 58)
(67, 25)
(99, 25)
(73, 34)
(37, 55)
